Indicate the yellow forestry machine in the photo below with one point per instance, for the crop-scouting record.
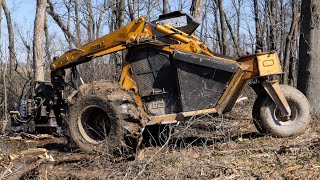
(168, 75)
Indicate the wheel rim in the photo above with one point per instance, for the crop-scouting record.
(284, 120)
(94, 124)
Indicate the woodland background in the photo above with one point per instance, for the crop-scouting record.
(224, 147)
(229, 27)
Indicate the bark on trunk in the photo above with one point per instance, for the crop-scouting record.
(233, 37)
(122, 9)
(290, 46)
(272, 28)
(309, 64)
(47, 45)
(101, 14)
(11, 36)
(216, 27)
(90, 18)
(259, 39)
(165, 7)
(38, 40)
(131, 9)
(223, 27)
(195, 9)
(78, 31)
(119, 13)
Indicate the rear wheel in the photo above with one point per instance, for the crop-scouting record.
(268, 118)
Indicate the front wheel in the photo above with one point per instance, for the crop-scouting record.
(268, 118)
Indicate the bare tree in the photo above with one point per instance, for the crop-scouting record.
(259, 39)
(77, 21)
(165, 6)
(121, 13)
(237, 4)
(67, 4)
(4, 119)
(0, 24)
(11, 36)
(47, 45)
(60, 23)
(101, 14)
(290, 46)
(309, 64)
(131, 9)
(223, 27)
(90, 19)
(38, 40)
(233, 36)
(195, 9)
(271, 4)
(118, 11)
(216, 25)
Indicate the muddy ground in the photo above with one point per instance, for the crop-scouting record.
(227, 147)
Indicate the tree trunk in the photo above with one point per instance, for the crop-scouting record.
(5, 101)
(131, 9)
(78, 31)
(102, 12)
(0, 25)
(38, 40)
(165, 9)
(68, 6)
(11, 36)
(90, 18)
(309, 64)
(122, 9)
(216, 27)
(289, 46)
(259, 39)
(237, 4)
(233, 37)
(223, 27)
(119, 13)
(47, 45)
(195, 9)
(272, 21)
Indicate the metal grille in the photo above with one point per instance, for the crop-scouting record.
(156, 79)
(201, 87)
(153, 72)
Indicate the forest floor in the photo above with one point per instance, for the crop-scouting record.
(227, 147)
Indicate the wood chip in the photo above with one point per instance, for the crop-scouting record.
(293, 168)
(17, 138)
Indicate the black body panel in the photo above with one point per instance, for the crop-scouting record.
(156, 78)
(202, 80)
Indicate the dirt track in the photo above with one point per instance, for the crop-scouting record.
(222, 148)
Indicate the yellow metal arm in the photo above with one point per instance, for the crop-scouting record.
(113, 42)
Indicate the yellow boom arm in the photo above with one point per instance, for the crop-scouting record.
(113, 42)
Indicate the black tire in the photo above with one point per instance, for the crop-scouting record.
(267, 117)
(94, 125)
(99, 121)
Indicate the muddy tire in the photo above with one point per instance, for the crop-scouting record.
(96, 123)
(268, 119)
